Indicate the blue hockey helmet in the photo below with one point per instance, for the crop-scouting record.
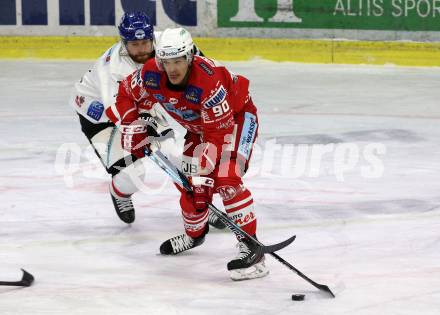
(135, 26)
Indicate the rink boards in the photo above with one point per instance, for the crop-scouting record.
(405, 53)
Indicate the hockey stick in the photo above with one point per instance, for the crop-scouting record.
(26, 280)
(180, 178)
(231, 226)
(321, 287)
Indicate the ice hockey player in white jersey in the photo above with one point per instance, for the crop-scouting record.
(97, 90)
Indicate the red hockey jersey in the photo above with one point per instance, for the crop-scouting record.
(207, 105)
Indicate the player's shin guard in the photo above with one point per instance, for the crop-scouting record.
(240, 209)
(196, 227)
(248, 264)
(129, 179)
(195, 223)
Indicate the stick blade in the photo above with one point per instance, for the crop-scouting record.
(27, 279)
(325, 288)
(276, 247)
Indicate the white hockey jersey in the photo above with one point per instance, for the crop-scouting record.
(98, 87)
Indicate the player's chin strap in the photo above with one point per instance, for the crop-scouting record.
(179, 178)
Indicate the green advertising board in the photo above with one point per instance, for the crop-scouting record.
(396, 15)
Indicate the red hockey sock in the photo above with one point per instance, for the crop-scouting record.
(240, 209)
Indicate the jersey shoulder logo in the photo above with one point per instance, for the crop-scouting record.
(136, 79)
(210, 62)
(108, 56)
(206, 68)
(152, 80)
(95, 110)
(79, 100)
(193, 94)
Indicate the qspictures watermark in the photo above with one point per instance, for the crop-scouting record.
(269, 160)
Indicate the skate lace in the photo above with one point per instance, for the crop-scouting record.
(244, 251)
(124, 204)
(181, 243)
(212, 218)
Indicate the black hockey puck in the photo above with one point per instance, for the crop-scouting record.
(298, 297)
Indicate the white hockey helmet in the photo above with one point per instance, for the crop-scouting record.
(173, 43)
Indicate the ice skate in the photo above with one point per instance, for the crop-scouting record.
(124, 207)
(180, 243)
(247, 265)
(214, 221)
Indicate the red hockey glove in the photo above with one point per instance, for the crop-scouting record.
(135, 135)
(203, 189)
(134, 138)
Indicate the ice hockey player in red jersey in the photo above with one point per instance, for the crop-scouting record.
(96, 91)
(217, 111)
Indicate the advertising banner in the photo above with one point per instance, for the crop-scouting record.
(417, 20)
(99, 12)
(91, 17)
(396, 15)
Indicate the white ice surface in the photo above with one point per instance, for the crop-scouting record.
(374, 241)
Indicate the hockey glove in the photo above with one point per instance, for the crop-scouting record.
(154, 136)
(135, 136)
(150, 123)
(203, 189)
